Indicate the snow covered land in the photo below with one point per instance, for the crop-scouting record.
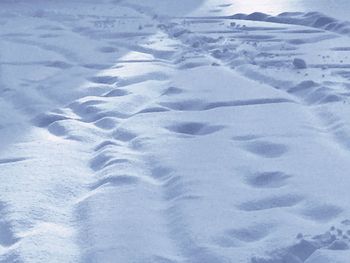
(174, 131)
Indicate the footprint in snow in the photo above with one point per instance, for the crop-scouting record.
(321, 212)
(194, 128)
(234, 237)
(278, 201)
(266, 149)
(7, 237)
(272, 179)
(104, 80)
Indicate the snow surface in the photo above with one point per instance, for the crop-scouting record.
(174, 132)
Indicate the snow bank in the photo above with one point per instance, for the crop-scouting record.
(310, 19)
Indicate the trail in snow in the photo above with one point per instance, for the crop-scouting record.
(172, 138)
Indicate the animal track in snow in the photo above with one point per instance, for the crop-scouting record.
(57, 129)
(45, 120)
(266, 149)
(322, 212)
(124, 135)
(271, 202)
(106, 123)
(248, 234)
(161, 173)
(99, 161)
(7, 237)
(104, 145)
(268, 179)
(104, 79)
(107, 49)
(153, 110)
(172, 91)
(250, 137)
(117, 93)
(117, 180)
(195, 128)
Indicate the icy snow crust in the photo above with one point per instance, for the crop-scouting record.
(138, 133)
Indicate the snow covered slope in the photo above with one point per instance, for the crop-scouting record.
(136, 132)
